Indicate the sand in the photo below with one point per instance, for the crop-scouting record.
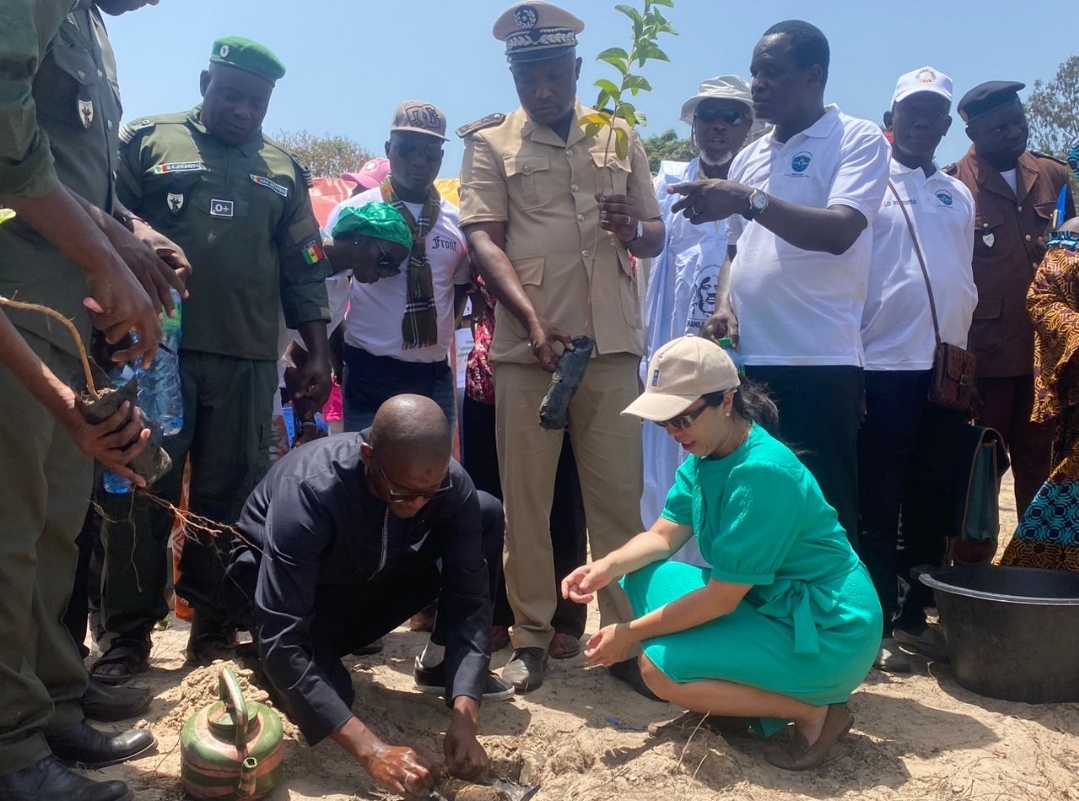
(581, 737)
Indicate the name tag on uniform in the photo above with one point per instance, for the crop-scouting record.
(221, 208)
(262, 180)
(178, 166)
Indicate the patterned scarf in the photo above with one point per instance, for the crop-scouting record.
(419, 328)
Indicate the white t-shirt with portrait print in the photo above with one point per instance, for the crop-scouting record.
(795, 306)
(376, 310)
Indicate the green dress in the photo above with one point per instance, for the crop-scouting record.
(810, 626)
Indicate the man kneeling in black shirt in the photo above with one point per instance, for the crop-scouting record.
(342, 542)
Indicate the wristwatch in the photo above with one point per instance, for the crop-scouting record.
(758, 202)
(639, 234)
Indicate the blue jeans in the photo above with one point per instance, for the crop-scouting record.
(372, 380)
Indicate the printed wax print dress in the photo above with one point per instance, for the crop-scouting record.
(810, 626)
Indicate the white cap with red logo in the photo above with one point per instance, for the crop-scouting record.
(926, 79)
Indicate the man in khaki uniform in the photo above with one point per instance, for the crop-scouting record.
(551, 218)
(1016, 191)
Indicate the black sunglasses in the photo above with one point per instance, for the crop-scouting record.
(682, 420)
(431, 153)
(711, 115)
(407, 497)
(386, 264)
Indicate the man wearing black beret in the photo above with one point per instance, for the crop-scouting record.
(1015, 191)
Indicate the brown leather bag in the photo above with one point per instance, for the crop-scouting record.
(954, 369)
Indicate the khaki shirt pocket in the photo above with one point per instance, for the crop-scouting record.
(629, 291)
(530, 273)
(616, 180)
(529, 182)
(988, 233)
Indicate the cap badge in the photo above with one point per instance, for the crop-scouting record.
(424, 117)
(224, 51)
(655, 378)
(526, 17)
(925, 75)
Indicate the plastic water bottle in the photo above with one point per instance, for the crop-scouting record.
(735, 356)
(159, 389)
(114, 484)
(159, 385)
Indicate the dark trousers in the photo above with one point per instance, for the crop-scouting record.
(86, 589)
(568, 537)
(819, 412)
(907, 461)
(228, 405)
(350, 616)
(372, 380)
(1007, 406)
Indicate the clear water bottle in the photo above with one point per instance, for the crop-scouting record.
(159, 385)
(114, 484)
(735, 356)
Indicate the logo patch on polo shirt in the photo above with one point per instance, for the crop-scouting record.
(945, 197)
(800, 162)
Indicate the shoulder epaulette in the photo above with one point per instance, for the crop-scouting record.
(483, 122)
(305, 173)
(1047, 156)
(128, 131)
(950, 169)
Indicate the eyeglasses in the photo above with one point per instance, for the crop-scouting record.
(409, 497)
(430, 153)
(712, 115)
(682, 420)
(387, 265)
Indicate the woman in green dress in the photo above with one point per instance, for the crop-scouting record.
(785, 624)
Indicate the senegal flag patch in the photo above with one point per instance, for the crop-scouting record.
(312, 252)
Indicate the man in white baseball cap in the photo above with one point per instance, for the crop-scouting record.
(907, 445)
(683, 279)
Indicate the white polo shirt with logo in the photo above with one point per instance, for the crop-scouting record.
(800, 307)
(897, 325)
(373, 322)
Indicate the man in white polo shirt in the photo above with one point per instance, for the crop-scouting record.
(398, 331)
(794, 294)
(906, 441)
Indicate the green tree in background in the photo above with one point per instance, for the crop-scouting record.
(325, 156)
(1053, 110)
(667, 146)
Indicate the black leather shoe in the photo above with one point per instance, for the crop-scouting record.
(48, 780)
(526, 669)
(83, 746)
(108, 704)
(630, 672)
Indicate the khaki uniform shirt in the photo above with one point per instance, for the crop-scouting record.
(1008, 246)
(75, 114)
(243, 216)
(576, 275)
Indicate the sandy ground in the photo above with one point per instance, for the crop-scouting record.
(581, 737)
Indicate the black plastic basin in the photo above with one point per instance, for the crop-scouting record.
(1013, 632)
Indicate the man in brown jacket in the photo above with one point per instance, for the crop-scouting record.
(1015, 192)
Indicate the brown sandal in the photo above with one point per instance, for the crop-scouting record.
(131, 654)
(797, 754)
(563, 646)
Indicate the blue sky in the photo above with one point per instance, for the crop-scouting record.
(351, 61)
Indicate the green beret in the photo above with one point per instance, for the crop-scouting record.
(236, 51)
(376, 220)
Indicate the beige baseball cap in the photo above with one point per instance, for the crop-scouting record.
(682, 371)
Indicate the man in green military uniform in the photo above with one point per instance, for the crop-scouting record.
(59, 116)
(238, 204)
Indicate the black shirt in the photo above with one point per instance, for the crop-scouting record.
(313, 522)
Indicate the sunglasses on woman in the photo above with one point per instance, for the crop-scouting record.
(682, 420)
(711, 115)
(386, 263)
